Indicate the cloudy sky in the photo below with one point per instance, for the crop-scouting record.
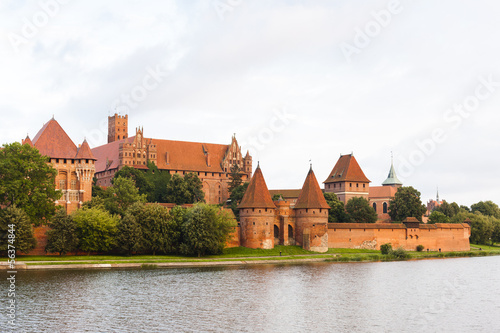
(295, 80)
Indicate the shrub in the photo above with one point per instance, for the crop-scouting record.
(399, 253)
(420, 248)
(385, 248)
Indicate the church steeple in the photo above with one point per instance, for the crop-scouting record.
(392, 179)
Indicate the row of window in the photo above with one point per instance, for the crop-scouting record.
(62, 184)
(340, 185)
(67, 161)
(384, 207)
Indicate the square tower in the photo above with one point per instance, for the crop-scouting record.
(117, 127)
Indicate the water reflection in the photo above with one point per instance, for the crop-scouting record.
(434, 295)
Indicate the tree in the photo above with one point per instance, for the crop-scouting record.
(486, 208)
(235, 198)
(122, 195)
(140, 179)
(276, 197)
(438, 217)
(27, 181)
(235, 178)
(62, 235)
(406, 203)
(337, 210)
(24, 240)
(359, 210)
(130, 236)
(187, 190)
(96, 229)
(481, 226)
(205, 230)
(495, 235)
(159, 179)
(195, 188)
(447, 209)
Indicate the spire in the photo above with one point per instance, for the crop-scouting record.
(84, 152)
(27, 141)
(392, 179)
(311, 195)
(257, 195)
(437, 194)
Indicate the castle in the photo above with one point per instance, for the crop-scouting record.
(211, 162)
(300, 218)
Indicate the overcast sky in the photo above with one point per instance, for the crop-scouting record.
(295, 80)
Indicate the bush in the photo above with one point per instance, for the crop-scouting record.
(420, 248)
(399, 253)
(385, 248)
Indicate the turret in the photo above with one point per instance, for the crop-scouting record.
(257, 214)
(311, 214)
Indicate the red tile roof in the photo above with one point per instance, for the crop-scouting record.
(347, 169)
(84, 152)
(257, 195)
(189, 156)
(382, 192)
(53, 141)
(108, 155)
(311, 195)
(28, 141)
(287, 194)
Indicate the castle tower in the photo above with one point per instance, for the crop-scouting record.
(392, 179)
(117, 127)
(347, 180)
(257, 213)
(311, 216)
(85, 170)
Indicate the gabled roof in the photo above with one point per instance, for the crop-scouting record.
(27, 141)
(84, 152)
(382, 192)
(286, 194)
(53, 141)
(257, 195)
(347, 169)
(311, 195)
(392, 179)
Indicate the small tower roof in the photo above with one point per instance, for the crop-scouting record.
(84, 152)
(392, 179)
(347, 169)
(257, 195)
(311, 195)
(28, 141)
(53, 141)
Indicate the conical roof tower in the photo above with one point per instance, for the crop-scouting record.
(311, 195)
(257, 194)
(392, 179)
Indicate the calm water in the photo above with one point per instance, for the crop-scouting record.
(452, 295)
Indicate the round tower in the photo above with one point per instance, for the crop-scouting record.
(311, 216)
(257, 214)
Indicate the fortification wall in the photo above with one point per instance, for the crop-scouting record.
(444, 237)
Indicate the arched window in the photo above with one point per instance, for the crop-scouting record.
(276, 232)
(375, 206)
(385, 207)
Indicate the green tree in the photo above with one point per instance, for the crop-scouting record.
(130, 236)
(235, 178)
(159, 179)
(97, 191)
(235, 198)
(195, 188)
(447, 209)
(96, 229)
(140, 179)
(406, 203)
(359, 210)
(337, 211)
(24, 240)
(27, 181)
(62, 235)
(122, 195)
(276, 197)
(438, 217)
(481, 226)
(495, 235)
(205, 230)
(486, 208)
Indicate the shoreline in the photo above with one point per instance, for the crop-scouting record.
(271, 260)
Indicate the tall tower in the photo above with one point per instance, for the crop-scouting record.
(117, 127)
(311, 216)
(392, 179)
(257, 213)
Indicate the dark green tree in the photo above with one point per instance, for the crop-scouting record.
(122, 195)
(235, 178)
(205, 230)
(24, 239)
(185, 190)
(235, 199)
(276, 197)
(486, 208)
(495, 235)
(97, 191)
(406, 203)
(96, 229)
(359, 210)
(139, 177)
(129, 237)
(159, 179)
(337, 211)
(447, 209)
(27, 181)
(62, 236)
(481, 226)
(438, 217)
(195, 188)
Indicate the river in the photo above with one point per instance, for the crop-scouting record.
(450, 295)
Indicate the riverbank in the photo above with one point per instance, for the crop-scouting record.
(232, 257)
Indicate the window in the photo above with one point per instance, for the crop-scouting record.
(375, 206)
(363, 185)
(73, 184)
(384, 207)
(350, 184)
(62, 184)
(357, 185)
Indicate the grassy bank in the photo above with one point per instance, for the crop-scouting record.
(255, 255)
